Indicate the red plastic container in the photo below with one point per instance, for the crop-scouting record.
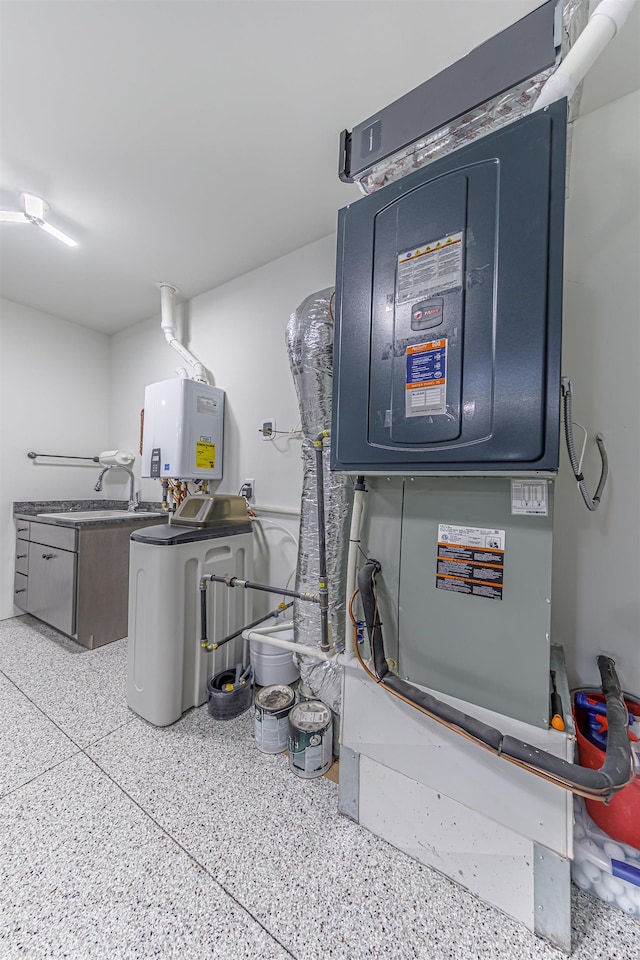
(620, 818)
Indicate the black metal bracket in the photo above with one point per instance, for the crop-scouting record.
(344, 157)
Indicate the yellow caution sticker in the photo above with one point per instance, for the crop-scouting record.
(205, 455)
(431, 268)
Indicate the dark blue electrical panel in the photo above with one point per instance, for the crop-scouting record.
(448, 311)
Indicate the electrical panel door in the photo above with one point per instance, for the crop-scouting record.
(448, 311)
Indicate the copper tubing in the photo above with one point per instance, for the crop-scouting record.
(602, 795)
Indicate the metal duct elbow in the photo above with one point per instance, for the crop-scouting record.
(310, 347)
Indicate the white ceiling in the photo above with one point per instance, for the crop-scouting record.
(191, 142)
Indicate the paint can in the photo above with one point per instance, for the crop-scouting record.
(271, 724)
(310, 739)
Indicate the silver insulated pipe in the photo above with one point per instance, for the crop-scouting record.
(310, 346)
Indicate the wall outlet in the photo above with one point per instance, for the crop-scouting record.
(268, 428)
(248, 490)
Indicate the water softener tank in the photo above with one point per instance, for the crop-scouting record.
(167, 669)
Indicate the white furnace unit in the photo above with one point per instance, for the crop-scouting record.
(183, 430)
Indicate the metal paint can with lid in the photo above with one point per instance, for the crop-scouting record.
(271, 725)
(310, 739)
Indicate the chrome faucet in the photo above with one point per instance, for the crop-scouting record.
(134, 498)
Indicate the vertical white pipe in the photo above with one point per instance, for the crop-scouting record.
(352, 562)
(167, 322)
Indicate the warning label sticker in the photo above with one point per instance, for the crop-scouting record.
(426, 378)
(530, 498)
(206, 405)
(470, 560)
(430, 268)
(205, 455)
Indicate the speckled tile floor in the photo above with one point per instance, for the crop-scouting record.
(80, 691)
(122, 840)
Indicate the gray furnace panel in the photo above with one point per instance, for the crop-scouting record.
(489, 646)
(448, 311)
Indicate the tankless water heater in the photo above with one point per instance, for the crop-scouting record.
(183, 430)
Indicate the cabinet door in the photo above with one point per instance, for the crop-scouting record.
(52, 586)
(22, 557)
(20, 586)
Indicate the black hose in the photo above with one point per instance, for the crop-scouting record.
(617, 761)
(254, 623)
(616, 771)
(476, 728)
(366, 581)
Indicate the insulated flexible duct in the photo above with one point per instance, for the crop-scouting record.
(487, 118)
(310, 346)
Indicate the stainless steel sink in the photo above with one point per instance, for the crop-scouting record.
(100, 515)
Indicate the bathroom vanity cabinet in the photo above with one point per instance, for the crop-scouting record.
(75, 576)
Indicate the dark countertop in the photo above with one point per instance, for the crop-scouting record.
(29, 510)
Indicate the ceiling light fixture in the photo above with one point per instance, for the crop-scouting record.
(35, 210)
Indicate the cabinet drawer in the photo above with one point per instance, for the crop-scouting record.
(20, 584)
(52, 586)
(22, 529)
(22, 556)
(52, 536)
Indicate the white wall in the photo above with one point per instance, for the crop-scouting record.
(238, 332)
(596, 599)
(54, 398)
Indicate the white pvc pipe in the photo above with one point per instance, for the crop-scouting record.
(275, 627)
(283, 511)
(167, 322)
(294, 647)
(277, 526)
(352, 563)
(605, 21)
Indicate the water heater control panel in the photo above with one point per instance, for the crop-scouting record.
(183, 430)
(448, 311)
